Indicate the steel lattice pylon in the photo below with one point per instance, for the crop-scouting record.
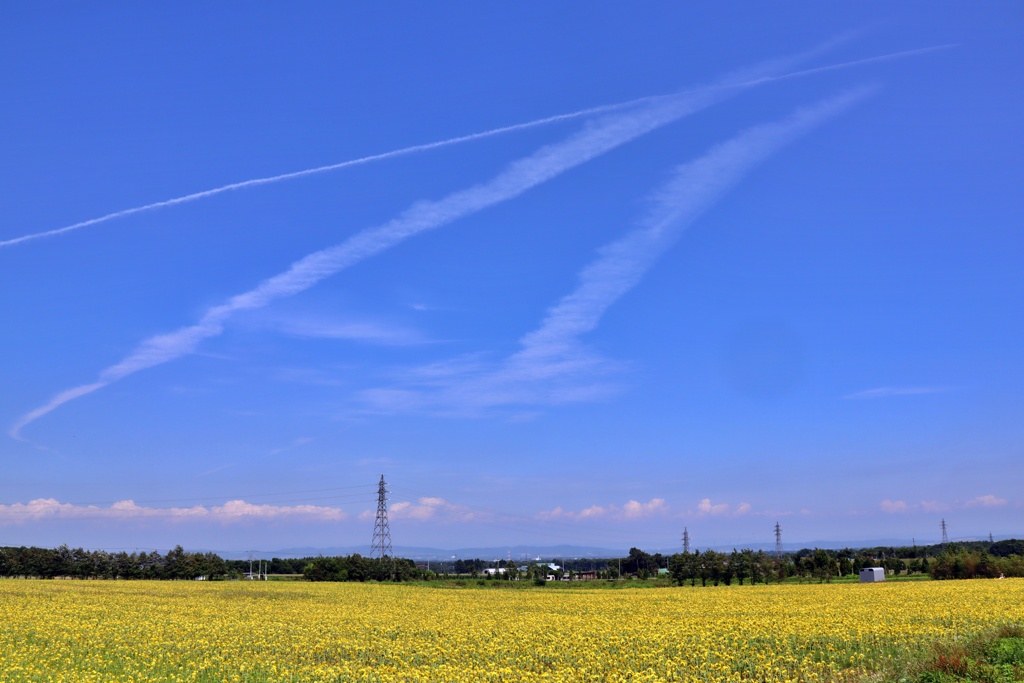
(380, 548)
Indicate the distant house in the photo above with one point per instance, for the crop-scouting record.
(585, 576)
(872, 574)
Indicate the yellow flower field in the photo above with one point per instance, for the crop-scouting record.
(86, 631)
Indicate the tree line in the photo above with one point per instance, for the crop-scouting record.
(358, 568)
(955, 561)
(65, 562)
(967, 563)
(180, 564)
(974, 559)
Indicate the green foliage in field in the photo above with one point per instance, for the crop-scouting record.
(992, 656)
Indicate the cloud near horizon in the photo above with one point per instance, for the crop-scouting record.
(427, 508)
(986, 501)
(705, 508)
(902, 506)
(231, 512)
(631, 510)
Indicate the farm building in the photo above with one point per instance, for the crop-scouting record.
(872, 574)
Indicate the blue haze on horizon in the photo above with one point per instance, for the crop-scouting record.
(732, 288)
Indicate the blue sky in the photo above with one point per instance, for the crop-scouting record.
(711, 266)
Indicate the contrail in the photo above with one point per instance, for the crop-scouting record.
(331, 167)
(596, 138)
(453, 141)
(856, 62)
(693, 188)
(551, 355)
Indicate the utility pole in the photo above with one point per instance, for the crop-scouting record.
(381, 545)
(778, 541)
(945, 536)
(686, 541)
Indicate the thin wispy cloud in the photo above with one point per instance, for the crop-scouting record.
(988, 501)
(934, 506)
(597, 137)
(232, 511)
(631, 510)
(296, 443)
(888, 392)
(705, 508)
(894, 506)
(361, 331)
(552, 366)
(754, 79)
(428, 508)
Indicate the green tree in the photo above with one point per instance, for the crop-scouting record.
(824, 565)
(739, 563)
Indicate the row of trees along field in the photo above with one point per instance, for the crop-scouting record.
(956, 561)
(179, 564)
(358, 568)
(64, 562)
(975, 559)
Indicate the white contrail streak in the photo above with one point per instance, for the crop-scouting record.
(546, 163)
(693, 188)
(323, 169)
(551, 359)
(448, 142)
(851, 64)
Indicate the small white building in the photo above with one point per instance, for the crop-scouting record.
(872, 574)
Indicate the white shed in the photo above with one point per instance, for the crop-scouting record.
(872, 574)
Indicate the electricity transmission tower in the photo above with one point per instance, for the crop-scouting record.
(686, 541)
(381, 545)
(778, 541)
(945, 536)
